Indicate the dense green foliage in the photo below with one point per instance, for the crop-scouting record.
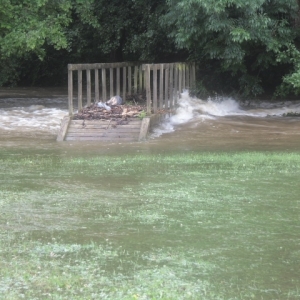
(254, 41)
(25, 28)
(249, 47)
(88, 31)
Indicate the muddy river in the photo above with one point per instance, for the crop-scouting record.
(31, 118)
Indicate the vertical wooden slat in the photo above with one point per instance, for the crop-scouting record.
(111, 82)
(187, 78)
(88, 87)
(124, 84)
(180, 79)
(183, 76)
(193, 74)
(135, 80)
(70, 91)
(141, 82)
(144, 128)
(154, 88)
(176, 83)
(63, 128)
(104, 85)
(171, 88)
(173, 78)
(96, 85)
(118, 82)
(144, 84)
(148, 88)
(166, 86)
(161, 86)
(79, 96)
(129, 80)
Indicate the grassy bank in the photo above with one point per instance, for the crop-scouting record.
(192, 226)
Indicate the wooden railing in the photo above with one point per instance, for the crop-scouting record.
(165, 82)
(120, 78)
(162, 82)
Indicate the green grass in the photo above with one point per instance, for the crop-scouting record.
(192, 226)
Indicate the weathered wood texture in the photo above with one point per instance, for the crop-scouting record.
(63, 129)
(104, 130)
(144, 129)
(132, 130)
(165, 82)
(106, 82)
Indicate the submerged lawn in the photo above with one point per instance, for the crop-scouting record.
(192, 226)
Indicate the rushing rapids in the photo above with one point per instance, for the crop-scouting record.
(213, 123)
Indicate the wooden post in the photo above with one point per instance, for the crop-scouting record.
(118, 82)
(183, 76)
(180, 79)
(144, 80)
(104, 85)
(111, 82)
(144, 128)
(193, 74)
(96, 85)
(63, 128)
(171, 89)
(129, 80)
(161, 85)
(124, 84)
(166, 86)
(135, 81)
(148, 88)
(154, 88)
(70, 90)
(187, 68)
(176, 84)
(88, 87)
(141, 82)
(79, 89)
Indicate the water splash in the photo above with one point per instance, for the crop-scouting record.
(34, 118)
(191, 109)
(44, 115)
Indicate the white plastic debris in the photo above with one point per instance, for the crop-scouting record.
(116, 100)
(101, 104)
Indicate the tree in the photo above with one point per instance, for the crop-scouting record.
(122, 30)
(249, 40)
(27, 27)
(48, 34)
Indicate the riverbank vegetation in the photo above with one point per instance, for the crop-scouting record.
(247, 48)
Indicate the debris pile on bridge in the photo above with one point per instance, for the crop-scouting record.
(134, 108)
(93, 112)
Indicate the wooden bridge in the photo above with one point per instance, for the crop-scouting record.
(162, 84)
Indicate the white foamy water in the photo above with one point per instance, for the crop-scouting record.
(44, 116)
(36, 119)
(191, 109)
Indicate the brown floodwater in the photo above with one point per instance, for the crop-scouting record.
(30, 119)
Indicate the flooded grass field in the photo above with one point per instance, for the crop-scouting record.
(192, 226)
(208, 208)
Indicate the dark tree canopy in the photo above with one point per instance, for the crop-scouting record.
(246, 47)
(251, 41)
